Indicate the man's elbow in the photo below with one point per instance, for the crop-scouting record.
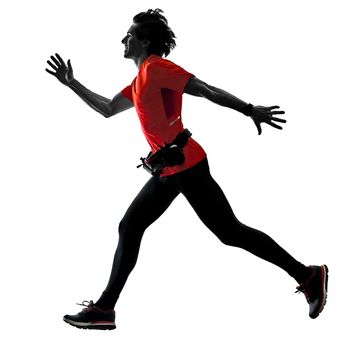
(107, 111)
(209, 92)
(106, 114)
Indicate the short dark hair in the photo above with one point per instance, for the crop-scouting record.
(153, 26)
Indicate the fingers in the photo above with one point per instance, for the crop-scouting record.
(56, 64)
(51, 72)
(278, 120)
(258, 126)
(266, 116)
(55, 61)
(60, 59)
(274, 125)
(277, 112)
(52, 65)
(69, 65)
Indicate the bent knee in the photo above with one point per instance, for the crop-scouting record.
(228, 240)
(235, 236)
(130, 228)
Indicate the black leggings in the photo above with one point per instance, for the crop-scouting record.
(209, 202)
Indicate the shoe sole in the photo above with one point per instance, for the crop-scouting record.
(101, 325)
(324, 272)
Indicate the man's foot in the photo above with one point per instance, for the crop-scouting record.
(315, 289)
(92, 317)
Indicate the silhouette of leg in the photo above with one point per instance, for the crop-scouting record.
(212, 207)
(152, 201)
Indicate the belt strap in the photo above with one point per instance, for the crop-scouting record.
(181, 139)
(155, 162)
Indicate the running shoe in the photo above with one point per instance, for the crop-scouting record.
(315, 289)
(91, 317)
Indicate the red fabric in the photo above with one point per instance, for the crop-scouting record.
(157, 96)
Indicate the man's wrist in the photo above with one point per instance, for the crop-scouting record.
(71, 83)
(248, 110)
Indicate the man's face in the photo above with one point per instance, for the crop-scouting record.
(133, 46)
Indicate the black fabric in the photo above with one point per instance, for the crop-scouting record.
(212, 207)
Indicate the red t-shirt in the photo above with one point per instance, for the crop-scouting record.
(157, 96)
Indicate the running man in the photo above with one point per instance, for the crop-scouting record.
(178, 164)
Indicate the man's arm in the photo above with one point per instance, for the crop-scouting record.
(107, 107)
(259, 114)
(196, 87)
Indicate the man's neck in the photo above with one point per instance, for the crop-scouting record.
(139, 60)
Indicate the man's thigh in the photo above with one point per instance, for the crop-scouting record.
(208, 201)
(150, 203)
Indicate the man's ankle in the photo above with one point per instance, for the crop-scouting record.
(104, 307)
(305, 274)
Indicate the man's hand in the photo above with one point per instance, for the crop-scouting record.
(62, 72)
(261, 114)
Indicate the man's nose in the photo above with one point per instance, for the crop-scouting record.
(123, 40)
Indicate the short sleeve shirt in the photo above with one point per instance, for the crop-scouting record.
(157, 96)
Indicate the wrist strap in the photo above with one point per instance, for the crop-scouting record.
(248, 109)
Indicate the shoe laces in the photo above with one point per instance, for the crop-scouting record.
(88, 305)
(307, 289)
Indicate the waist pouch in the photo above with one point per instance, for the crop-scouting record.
(169, 155)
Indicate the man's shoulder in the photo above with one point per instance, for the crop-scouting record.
(157, 67)
(155, 61)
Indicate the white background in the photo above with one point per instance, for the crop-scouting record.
(68, 175)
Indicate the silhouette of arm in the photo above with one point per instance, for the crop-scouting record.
(259, 114)
(106, 107)
(199, 88)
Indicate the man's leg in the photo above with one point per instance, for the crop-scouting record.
(212, 207)
(154, 198)
(152, 201)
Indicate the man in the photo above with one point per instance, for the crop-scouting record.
(178, 164)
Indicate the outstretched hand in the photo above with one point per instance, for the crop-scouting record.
(261, 114)
(61, 71)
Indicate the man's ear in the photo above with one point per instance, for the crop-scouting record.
(145, 42)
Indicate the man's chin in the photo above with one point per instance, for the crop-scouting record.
(126, 54)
